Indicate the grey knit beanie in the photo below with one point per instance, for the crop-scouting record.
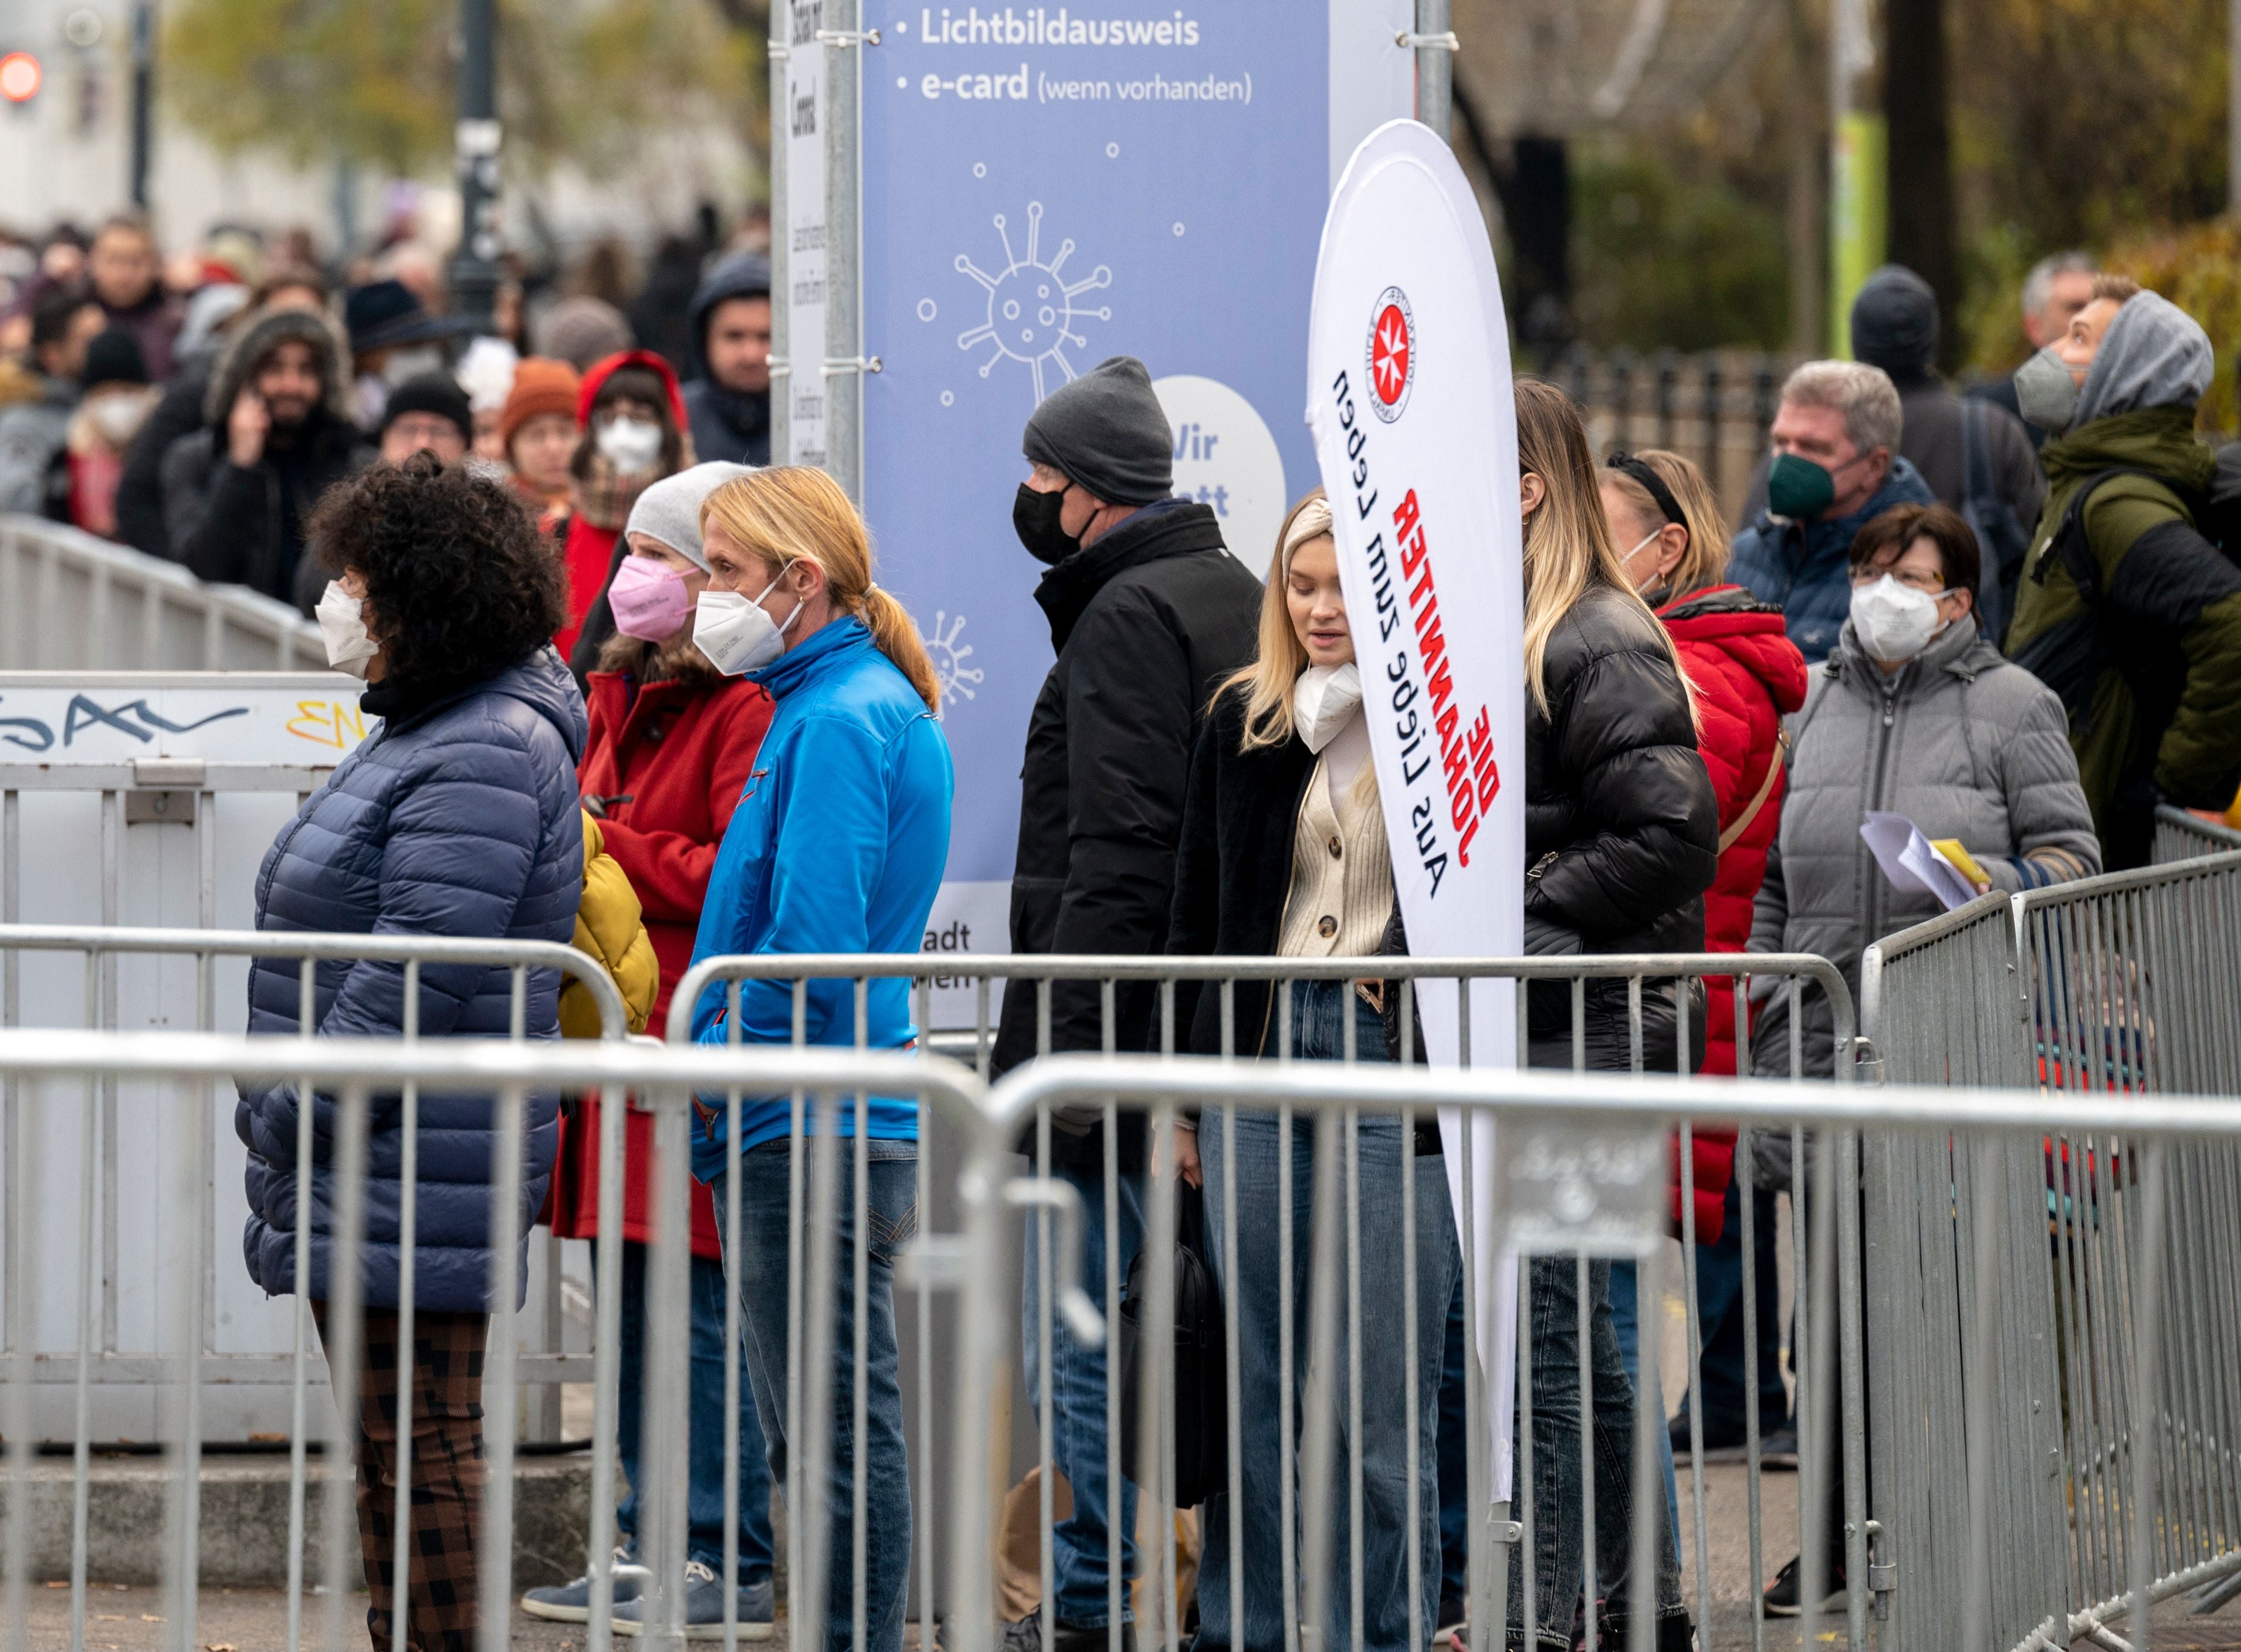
(670, 510)
(1106, 430)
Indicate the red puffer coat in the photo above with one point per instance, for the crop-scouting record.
(1748, 676)
(667, 765)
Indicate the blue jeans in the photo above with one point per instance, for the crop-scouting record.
(1255, 1280)
(1454, 1459)
(1626, 1325)
(1079, 1544)
(705, 1496)
(759, 1274)
(1720, 1320)
(1559, 1535)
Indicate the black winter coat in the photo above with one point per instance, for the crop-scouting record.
(140, 490)
(1146, 622)
(1233, 871)
(1622, 828)
(245, 527)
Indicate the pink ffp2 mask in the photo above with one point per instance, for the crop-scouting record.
(649, 599)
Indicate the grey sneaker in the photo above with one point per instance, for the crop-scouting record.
(704, 1608)
(572, 1602)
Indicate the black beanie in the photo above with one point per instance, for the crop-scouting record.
(438, 393)
(1895, 322)
(1106, 431)
(115, 357)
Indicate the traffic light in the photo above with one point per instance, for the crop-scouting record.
(20, 76)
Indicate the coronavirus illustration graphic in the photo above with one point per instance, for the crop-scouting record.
(1033, 308)
(949, 655)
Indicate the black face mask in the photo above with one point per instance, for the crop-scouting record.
(1035, 519)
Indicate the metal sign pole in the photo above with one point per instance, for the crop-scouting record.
(845, 364)
(781, 259)
(1435, 44)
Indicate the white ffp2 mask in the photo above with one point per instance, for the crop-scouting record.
(342, 627)
(1894, 621)
(735, 633)
(1324, 700)
(631, 445)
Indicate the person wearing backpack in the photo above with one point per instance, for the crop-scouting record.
(1973, 456)
(2129, 608)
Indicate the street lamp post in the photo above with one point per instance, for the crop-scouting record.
(475, 151)
(143, 93)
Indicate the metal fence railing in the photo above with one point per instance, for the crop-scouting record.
(1828, 1315)
(1581, 1178)
(115, 1165)
(2180, 835)
(51, 1076)
(2062, 1302)
(69, 601)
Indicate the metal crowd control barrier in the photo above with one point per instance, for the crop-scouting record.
(1832, 1319)
(2056, 1317)
(45, 1070)
(71, 602)
(2180, 836)
(109, 1187)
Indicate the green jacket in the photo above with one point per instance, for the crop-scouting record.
(2148, 669)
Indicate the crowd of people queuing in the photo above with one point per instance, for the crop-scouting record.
(197, 407)
(630, 677)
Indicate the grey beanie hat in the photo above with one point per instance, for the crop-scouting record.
(1895, 322)
(670, 510)
(1106, 431)
(2153, 355)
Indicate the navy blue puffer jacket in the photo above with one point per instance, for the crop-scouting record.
(457, 818)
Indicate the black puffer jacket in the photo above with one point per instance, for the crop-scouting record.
(232, 524)
(1146, 622)
(1233, 869)
(1622, 828)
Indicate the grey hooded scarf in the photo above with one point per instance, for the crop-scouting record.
(2153, 355)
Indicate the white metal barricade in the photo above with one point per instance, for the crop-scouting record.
(52, 1074)
(1828, 1428)
(69, 601)
(249, 1343)
(2053, 1326)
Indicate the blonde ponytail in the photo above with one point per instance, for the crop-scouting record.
(794, 513)
(897, 634)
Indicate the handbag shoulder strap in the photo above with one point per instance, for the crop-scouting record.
(1773, 766)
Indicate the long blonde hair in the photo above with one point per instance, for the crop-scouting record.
(791, 513)
(1267, 681)
(1568, 544)
(1705, 561)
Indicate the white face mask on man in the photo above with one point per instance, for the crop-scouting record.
(734, 631)
(1893, 622)
(342, 627)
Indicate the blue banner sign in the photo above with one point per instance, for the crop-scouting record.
(1045, 186)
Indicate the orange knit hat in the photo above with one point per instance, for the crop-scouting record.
(541, 385)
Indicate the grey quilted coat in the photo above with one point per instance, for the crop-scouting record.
(1961, 743)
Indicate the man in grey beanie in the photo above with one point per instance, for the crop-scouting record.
(1973, 456)
(1148, 612)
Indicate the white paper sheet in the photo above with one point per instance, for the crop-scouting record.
(1910, 863)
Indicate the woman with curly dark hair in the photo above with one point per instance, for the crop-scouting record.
(456, 815)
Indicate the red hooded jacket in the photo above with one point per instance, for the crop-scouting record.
(1748, 676)
(667, 763)
(591, 549)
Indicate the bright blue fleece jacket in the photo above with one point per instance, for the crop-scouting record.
(837, 845)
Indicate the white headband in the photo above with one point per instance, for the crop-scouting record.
(1313, 522)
